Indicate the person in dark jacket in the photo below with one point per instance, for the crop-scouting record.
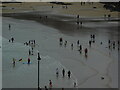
(63, 72)
(69, 74)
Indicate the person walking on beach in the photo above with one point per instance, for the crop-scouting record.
(32, 50)
(9, 27)
(34, 42)
(75, 84)
(81, 23)
(13, 61)
(109, 44)
(78, 16)
(61, 41)
(65, 43)
(12, 39)
(86, 51)
(90, 43)
(63, 72)
(9, 40)
(80, 49)
(78, 42)
(50, 84)
(109, 41)
(118, 43)
(84, 3)
(28, 60)
(29, 52)
(57, 72)
(69, 74)
(72, 46)
(113, 44)
(109, 16)
(29, 42)
(52, 6)
(81, 3)
(93, 38)
(77, 22)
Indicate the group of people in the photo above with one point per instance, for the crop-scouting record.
(46, 88)
(11, 40)
(78, 45)
(45, 17)
(20, 60)
(63, 73)
(64, 43)
(83, 3)
(113, 44)
(32, 44)
(107, 16)
(79, 22)
(92, 36)
(50, 86)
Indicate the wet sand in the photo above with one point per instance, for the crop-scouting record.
(45, 35)
(61, 22)
(67, 25)
(58, 17)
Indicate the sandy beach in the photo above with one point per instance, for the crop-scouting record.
(75, 8)
(57, 17)
(41, 22)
